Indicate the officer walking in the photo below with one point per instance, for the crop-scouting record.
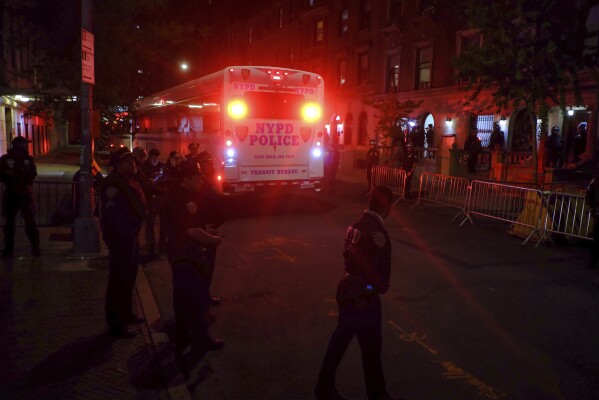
(123, 211)
(192, 272)
(17, 172)
(367, 258)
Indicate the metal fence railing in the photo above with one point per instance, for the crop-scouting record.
(393, 178)
(53, 201)
(567, 215)
(516, 205)
(446, 190)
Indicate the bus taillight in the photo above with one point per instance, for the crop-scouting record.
(237, 109)
(311, 112)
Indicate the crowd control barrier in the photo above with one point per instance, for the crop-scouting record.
(445, 190)
(520, 206)
(567, 215)
(393, 178)
(53, 201)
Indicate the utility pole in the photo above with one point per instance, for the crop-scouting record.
(86, 233)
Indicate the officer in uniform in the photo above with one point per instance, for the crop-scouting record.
(17, 172)
(213, 214)
(372, 159)
(153, 169)
(192, 273)
(367, 258)
(408, 164)
(123, 212)
(194, 149)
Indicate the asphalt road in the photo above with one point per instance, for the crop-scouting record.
(471, 312)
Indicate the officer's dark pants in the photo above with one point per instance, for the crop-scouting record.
(595, 245)
(408, 188)
(471, 162)
(150, 235)
(13, 202)
(123, 262)
(369, 177)
(190, 302)
(364, 323)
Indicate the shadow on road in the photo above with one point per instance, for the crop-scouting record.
(277, 204)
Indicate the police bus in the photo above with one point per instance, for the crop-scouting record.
(263, 125)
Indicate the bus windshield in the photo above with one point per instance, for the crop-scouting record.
(269, 105)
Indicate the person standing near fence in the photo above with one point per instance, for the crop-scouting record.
(372, 159)
(408, 164)
(367, 259)
(17, 172)
(473, 147)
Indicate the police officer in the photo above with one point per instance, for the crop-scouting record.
(497, 140)
(17, 172)
(408, 164)
(153, 169)
(473, 147)
(372, 159)
(123, 211)
(213, 214)
(194, 149)
(553, 144)
(367, 258)
(192, 273)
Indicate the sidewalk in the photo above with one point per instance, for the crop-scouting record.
(53, 341)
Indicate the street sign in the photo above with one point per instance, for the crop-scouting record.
(87, 57)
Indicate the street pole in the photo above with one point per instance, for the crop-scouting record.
(86, 233)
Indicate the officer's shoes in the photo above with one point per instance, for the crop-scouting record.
(215, 301)
(119, 332)
(327, 393)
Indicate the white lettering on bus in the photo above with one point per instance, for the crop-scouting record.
(243, 86)
(274, 140)
(260, 128)
(302, 90)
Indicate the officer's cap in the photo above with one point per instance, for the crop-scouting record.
(20, 140)
(187, 168)
(204, 156)
(193, 145)
(555, 128)
(121, 154)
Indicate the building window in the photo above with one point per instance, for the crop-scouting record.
(465, 42)
(395, 11)
(484, 124)
(363, 129)
(343, 22)
(392, 85)
(424, 62)
(342, 71)
(364, 14)
(319, 31)
(363, 68)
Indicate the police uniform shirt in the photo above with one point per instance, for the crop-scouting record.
(409, 161)
(17, 171)
(183, 212)
(123, 208)
(372, 157)
(368, 251)
(150, 170)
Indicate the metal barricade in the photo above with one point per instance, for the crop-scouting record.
(53, 201)
(567, 215)
(446, 190)
(517, 205)
(393, 178)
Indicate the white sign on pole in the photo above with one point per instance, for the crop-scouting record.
(87, 57)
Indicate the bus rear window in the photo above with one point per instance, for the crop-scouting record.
(266, 105)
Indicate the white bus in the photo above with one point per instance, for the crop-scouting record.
(263, 125)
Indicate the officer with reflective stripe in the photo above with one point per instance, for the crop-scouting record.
(367, 258)
(123, 211)
(17, 172)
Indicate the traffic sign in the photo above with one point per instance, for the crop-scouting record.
(87, 57)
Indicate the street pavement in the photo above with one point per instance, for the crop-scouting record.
(52, 332)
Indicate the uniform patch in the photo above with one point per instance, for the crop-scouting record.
(379, 239)
(111, 192)
(192, 207)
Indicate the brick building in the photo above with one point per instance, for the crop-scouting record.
(373, 48)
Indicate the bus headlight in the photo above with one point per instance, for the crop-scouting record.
(237, 109)
(316, 152)
(230, 153)
(311, 112)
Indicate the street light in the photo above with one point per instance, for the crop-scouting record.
(184, 66)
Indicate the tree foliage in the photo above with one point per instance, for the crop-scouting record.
(394, 114)
(531, 54)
